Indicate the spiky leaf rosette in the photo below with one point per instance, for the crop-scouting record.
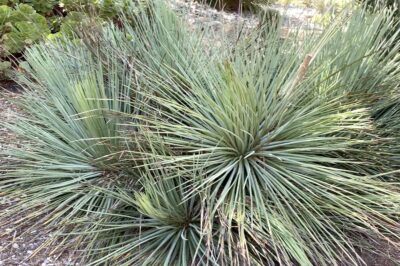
(286, 159)
(283, 170)
(154, 226)
(69, 124)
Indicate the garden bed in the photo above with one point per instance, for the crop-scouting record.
(32, 243)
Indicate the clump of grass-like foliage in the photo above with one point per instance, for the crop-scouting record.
(72, 107)
(149, 146)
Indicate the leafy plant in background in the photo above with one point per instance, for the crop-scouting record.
(44, 7)
(24, 22)
(106, 9)
(20, 27)
(74, 22)
(372, 72)
(148, 148)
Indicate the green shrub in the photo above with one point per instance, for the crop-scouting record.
(150, 148)
(71, 135)
(43, 7)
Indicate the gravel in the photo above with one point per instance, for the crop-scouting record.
(199, 15)
(17, 249)
(6, 114)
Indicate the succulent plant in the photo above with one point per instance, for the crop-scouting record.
(20, 28)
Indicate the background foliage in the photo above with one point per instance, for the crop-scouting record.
(25, 22)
